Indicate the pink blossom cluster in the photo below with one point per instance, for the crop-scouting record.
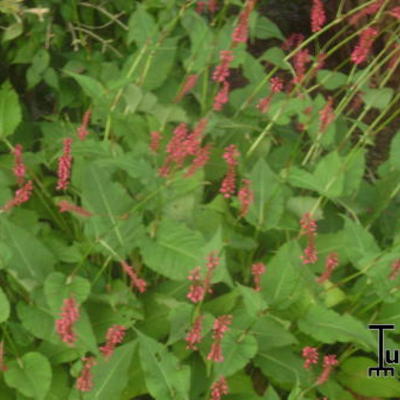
(228, 185)
(219, 388)
(22, 195)
(185, 144)
(309, 227)
(64, 165)
(155, 141)
(65, 206)
(371, 9)
(363, 48)
(188, 85)
(19, 168)
(326, 115)
(68, 317)
(82, 130)
(246, 197)
(221, 325)
(311, 356)
(276, 85)
(115, 335)
(84, 383)
(332, 261)
(318, 16)
(257, 270)
(241, 31)
(194, 335)
(138, 283)
(199, 286)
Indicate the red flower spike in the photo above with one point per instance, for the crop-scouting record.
(369, 10)
(201, 158)
(220, 327)
(155, 141)
(257, 270)
(310, 354)
(395, 270)
(228, 184)
(194, 335)
(294, 40)
(329, 362)
(318, 16)
(363, 48)
(84, 383)
(65, 206)
(264, 103)
(221, 71)
(82, 130)
(327, 116)
(19, 169)
(276, 84)
(246, 198)
(395, 12)
(138, 283)
(240, 33)
(22, 195)
(332, 261)
(219, 388)
(222, 97)
(189, 84)
(64, 165)
(115, 335)
(300, 60)
(64, 325)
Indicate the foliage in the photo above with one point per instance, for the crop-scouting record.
(188, 204)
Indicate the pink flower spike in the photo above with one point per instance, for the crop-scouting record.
(64, 165)
(363, 48)
(220, 327)
(329, 362)
(65, 206)
(310, 253)
(221, 71)
(64, 325)
(228, 184)
(84, 383)
(138, 283)
(22, 195)
(155, 141)
(318, 17)
(222, 97)
(395, 269)
(310, 354)
(369, 10)
(264, 103)
(194, 335)
(257, 270)
(189, 84)
(219, 388)
(327, 116)
(276, 84)
(240, 33)
(308, 225)
(332, 261)
(115, 335)
(395, 12)
(19, 166)
(197, 290)
(82, 130)
(246, 198)
(201, 158)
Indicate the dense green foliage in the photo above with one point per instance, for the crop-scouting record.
(97, 90)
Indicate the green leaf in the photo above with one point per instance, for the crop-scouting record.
(266, 29)
(276, 56)
(10, 110)
(31, 261)
(111, 377)
(354, 375)
(253, 300)
(331, 80)
(58, 287)
(378, 98)
(237, 351)
(394, 157)
(201, 41)
(354, 171)
(300, 205)
(13, 31)
(282, 283)
(4, 306)
(165, 378)
(142, 27)
(175, 251)
(329, 175)
(268, 205)
(31, 375)
(328, 326)
(90, 86)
